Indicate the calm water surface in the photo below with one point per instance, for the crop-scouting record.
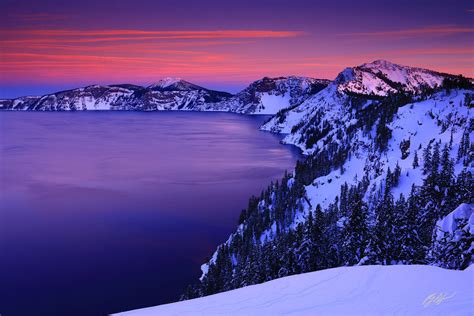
(103, 212)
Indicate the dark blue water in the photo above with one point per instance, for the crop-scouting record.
(103, 212)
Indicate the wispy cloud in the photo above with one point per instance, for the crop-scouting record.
(64, 53)
(414, 32)
(144, 34)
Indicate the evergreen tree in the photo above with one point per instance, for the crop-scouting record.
(427, 159)
(415, 160)
(356, 232)
(463, 145)
(454, 250)
(305, 251)
(435, 161)
(319, 240)
(396, 175)
(412, 250)
(333, 237)
(384, 237)
(388, 180)
(344, 199)
(397, 231)
(465, 187)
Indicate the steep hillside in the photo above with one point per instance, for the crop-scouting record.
(368, 290)
(270, 95)
(381, 170)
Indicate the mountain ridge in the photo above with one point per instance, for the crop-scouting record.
(174, 94)
(379, 78)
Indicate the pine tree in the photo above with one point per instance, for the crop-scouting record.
(305, 251)
(467, 148)
(412, 250)
(344, 200)
(333, 237)
(446, 182)
(427, 159)
(356, 232)
(451, 138)
(388, 180)
(396, 175)
(319, 239)
(415, 160)
(435, 161)
(454, 250)
(463, 145)
(398, 222)
(384, 236)
(463, 188)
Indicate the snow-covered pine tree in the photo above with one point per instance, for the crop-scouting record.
(356, 231)
(412, 250)
(415, 160)
(454, 250)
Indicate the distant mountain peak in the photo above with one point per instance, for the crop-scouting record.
(166, 82)
(383, 63)
(174, 84)
(382, 77)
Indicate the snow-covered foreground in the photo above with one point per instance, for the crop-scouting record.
(363, 290)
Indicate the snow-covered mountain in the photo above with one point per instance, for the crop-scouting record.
(366, 85)
(270, 95)
(382, 77)
(172, 94)
(368, 290)
(389, 153)
(265, 96)
(167, 94)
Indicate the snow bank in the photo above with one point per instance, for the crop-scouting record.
(448, 223)
(274, 103)
(363, 290)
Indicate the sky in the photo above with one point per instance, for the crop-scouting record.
(46, 46)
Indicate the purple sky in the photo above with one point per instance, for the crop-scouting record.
(51, 45)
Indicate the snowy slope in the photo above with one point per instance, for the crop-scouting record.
(270, 95)
(419, 123)
(364, 290)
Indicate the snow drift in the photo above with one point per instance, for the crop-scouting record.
(363, 290)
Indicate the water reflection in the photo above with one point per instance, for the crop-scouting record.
(103, 212)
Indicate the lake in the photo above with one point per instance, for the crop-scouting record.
(102, 212)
